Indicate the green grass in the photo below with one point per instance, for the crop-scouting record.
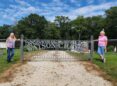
(110, 67)
(4, 65)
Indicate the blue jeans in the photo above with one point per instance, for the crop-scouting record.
(10, 54)
(101, 50)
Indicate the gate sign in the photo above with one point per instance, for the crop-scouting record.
(75, 45)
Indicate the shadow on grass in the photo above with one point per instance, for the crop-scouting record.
(98, 59)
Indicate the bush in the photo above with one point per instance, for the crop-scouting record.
(29, 48)
(110, 48)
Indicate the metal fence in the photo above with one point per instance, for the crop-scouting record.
(111, 47)
(79, 46)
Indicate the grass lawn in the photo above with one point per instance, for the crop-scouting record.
(110, 67)
(4, 65)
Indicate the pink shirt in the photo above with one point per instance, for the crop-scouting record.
(102, 40)
(10, 43)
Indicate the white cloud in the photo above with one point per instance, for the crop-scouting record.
(22, 2)
(30, 9)
(54, 8)
(15, 12)
(90, 10)
(90, 1)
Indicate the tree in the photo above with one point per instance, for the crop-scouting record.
(5, 31)
(79, 25)
(63, 24)
(111, 20)
(32, 26)
(51, 32)
(94, 25)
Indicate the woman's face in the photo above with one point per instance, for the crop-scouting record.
(12, 36)
(102, 34)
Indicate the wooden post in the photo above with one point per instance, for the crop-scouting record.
(22, 48)
(92, 47)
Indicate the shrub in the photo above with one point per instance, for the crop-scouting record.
(110, 48)
(29, 48)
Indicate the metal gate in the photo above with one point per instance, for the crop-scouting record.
(54, 46)
(73, 45)
(29, 45)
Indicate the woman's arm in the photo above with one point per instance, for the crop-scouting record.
(106, 42)
(7, 42)
(15, 38)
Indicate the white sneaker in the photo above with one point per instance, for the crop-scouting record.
(104, 60)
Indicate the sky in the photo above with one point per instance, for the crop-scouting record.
(13, 10)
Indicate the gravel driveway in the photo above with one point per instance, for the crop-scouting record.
(55, 73)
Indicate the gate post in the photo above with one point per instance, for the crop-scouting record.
(92, 47)
(21, 48)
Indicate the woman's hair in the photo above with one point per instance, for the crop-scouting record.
(102, 32)
(12, 35)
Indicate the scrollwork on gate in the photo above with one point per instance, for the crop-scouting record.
(56, 44)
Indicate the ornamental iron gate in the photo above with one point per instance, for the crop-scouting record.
(73, 45)
(61, 45)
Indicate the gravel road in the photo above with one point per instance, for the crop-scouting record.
(58, 72)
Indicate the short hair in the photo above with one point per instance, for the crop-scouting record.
(102, 32)
(11, 33)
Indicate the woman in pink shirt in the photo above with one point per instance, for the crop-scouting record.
(10, 42)
(102, 43)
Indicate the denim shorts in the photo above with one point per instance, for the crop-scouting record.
(101, 50)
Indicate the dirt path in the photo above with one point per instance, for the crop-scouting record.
(55, 73)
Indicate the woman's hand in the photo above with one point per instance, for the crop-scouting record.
(105, 49)
(17, 40)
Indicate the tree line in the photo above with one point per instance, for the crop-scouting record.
(35, 26)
